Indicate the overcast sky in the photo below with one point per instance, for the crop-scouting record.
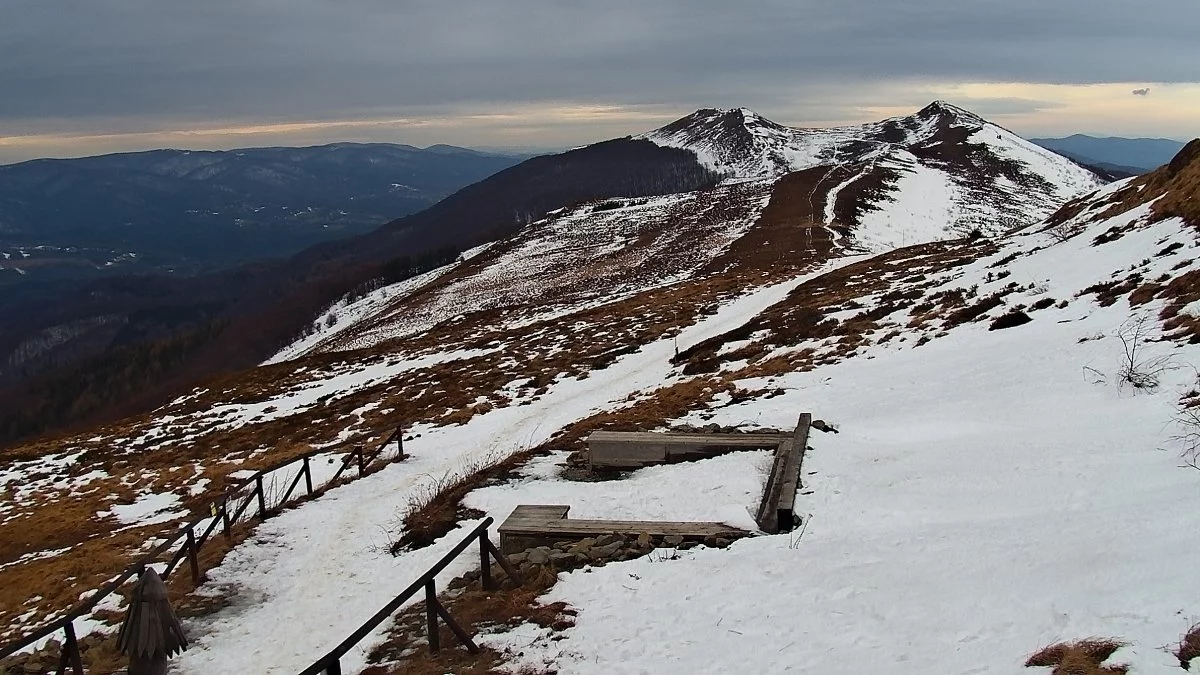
(89, 76)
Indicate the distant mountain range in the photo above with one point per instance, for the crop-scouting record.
(194, 211)
(1127, 156)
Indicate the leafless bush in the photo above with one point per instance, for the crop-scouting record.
(1136, 369)
(1063, 231)
(1187, 418)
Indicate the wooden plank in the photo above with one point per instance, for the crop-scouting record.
(521, 530)
(620, 527)
(635, 449)
(767, 508)
(752, 440)
(785, 508)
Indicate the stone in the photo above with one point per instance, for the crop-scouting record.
(711, 541)
(561, 558)
(603, 552)
(518, 558)
(643, 540)
(722, 542)
(539, 556)
(686, 546)
(606, 539)
(673, 540)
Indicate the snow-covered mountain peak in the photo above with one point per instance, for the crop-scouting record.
(940, 109)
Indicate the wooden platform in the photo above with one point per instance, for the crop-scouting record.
(530, 526)
(637, 449)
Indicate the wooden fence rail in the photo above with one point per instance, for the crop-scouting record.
(331, 662)
(189, 549)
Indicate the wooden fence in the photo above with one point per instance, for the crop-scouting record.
(230, 508)
(331, 664)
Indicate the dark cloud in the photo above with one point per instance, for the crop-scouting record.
(124, 65)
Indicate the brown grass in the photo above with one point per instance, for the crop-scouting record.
(433, 511)
(1188, 647)
(405, 650)
(1083, 657)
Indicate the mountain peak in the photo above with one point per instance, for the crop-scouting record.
(940, 108)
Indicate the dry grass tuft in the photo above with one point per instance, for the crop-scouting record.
(434, 510)
(1188, 647)
(1083, 657)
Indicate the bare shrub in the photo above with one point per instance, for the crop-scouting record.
(1187, 418)
(1061, 232)
(1137, 370)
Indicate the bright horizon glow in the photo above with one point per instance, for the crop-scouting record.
(1169, 111)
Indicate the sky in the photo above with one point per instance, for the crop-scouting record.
(80, 78)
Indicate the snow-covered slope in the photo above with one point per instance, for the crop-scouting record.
(979, 502)
(963, 172)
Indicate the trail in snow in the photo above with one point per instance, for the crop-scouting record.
(313, 574)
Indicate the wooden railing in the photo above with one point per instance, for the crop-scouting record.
(229, 509)
(331, 663)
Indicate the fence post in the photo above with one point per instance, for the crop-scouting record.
(362, 468)
(193, 562)
(485, 562)
(435, 640)
(400, 442)
(225, 520)
(71, 650)
(262, 501)
(334, 668)
(307, 476)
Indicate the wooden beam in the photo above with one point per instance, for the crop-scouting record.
(635, 449)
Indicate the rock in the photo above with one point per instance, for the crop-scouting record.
(673, 540)
(527, 569)
(686, 546)
(539, 556)
(644, 540)
(559, 558)
(821, 425)
(606, 539)
(723, 542)
(711, 541)
(518, 558)
(564, 545)
(603, 552)
(582, 546)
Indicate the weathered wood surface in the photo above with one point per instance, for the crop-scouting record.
(530, 526)
(635, 449)
(776, 512)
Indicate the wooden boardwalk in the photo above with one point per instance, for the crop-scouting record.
(611, 450)
(530, 526)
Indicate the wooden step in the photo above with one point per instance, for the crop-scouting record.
(523, 529)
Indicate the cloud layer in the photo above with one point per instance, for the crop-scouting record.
(122, 66)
